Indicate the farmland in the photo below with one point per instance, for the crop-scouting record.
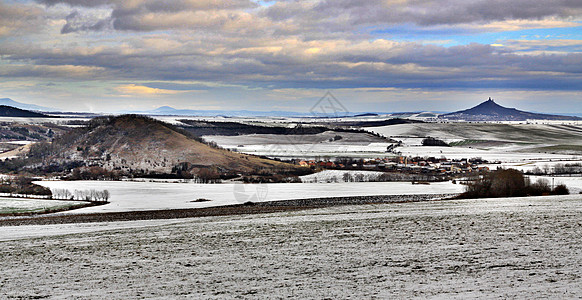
(136, 196)
(494, 248)
(19, 206)
(163, 238)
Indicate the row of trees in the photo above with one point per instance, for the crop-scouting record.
(384, 177)
(82, 195)
(557, 169)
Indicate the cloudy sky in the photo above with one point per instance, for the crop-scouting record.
(373, 55)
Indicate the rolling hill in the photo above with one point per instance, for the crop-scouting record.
(491, 111)
(132, 144)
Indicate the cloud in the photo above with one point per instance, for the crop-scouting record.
(294, 63)
(563, 46)
(151, 15)
(340, 15)
(50, 71)
(324, 16)
(17, 19)
(292, 44)
(77, 22)
(133, 89)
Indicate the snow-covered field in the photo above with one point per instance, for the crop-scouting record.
(499, 142)
(524, 248)
(23, 205)
(134, 196)
(530, 166)
(501, 154)
(316, 151)
(526, 133)
(305, 146)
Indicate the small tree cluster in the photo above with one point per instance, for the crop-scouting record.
(83, 195)
(509, 183)
(62, 194)
(92, 195)
(208, 176)
(23, 185)
(557, 169)
(430, 141)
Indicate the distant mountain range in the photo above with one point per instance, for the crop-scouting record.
(9, 111)
(486, 111)
(170, 111)
(10, 102)
(491, 111)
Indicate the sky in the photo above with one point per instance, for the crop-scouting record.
(372, 56)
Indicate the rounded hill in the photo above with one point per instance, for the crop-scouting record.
(138, 144)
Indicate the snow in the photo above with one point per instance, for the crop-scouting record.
(507, 248)
(521, 140)
(310, 151)
(24, 204)
(497, 154)
(135, 196)
(34, 231)
(60, 121)
(529, 166)
(19, 142)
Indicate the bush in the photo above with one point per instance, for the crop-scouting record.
(561, 190)
(430, 141)
(499, 183)
(509, 183)
(539, 188)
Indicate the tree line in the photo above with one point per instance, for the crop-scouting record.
(92, 195)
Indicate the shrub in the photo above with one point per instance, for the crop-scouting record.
(430, 141)
(499, 183)
(509, 183)
(539, 188)
(560, 190)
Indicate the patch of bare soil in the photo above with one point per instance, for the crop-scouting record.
(241, 209)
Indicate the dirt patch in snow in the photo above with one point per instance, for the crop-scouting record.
(241, 209)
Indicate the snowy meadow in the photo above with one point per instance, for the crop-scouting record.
(135, 196)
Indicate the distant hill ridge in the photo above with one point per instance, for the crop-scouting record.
(10, 102)
(491, 111)
(9, 111)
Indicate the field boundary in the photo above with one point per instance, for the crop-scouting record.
(239, 209)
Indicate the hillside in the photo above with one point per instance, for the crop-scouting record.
(139, 145)
(9, 111)
(491, 111)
